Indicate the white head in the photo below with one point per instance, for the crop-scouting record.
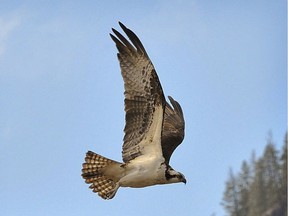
(173, 176)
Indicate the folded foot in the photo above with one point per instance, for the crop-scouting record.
(110, 194)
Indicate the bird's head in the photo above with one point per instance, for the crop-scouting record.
(173, 176)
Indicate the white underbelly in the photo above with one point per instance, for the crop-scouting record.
(143, 173)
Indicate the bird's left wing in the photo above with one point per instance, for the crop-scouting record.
(144, 98)
(173, 128)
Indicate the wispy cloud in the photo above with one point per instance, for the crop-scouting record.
(7, 25)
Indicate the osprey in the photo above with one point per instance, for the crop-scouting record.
(153, 128)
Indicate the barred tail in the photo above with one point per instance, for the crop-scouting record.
(92, 172)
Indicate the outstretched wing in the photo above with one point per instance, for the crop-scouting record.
(173, 128)
(144, 99)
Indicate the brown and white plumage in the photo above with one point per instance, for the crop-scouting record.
(153, 128)
(173, 128)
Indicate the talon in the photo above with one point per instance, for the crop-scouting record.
(110, 194)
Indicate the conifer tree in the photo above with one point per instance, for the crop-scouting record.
(260, 188)
(272, 179)
(283, 173)
(231, 196)
(244, 184)
(257, 198)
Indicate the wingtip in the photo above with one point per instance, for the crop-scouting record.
(112, 36)
(122, 25)
(176, 106)
(114, 31)
(170, 98)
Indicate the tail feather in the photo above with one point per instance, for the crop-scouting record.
(92, 172)
(102, 186)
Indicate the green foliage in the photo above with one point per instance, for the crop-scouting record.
(260, 188)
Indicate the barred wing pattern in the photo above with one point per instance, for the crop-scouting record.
(143, 94)
(173, 129)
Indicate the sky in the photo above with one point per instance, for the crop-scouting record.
(61, 94)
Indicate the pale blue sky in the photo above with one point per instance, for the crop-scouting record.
(61, 94)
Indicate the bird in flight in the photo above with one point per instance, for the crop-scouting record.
(153, 129)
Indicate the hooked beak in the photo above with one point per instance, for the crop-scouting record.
(184, 181)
